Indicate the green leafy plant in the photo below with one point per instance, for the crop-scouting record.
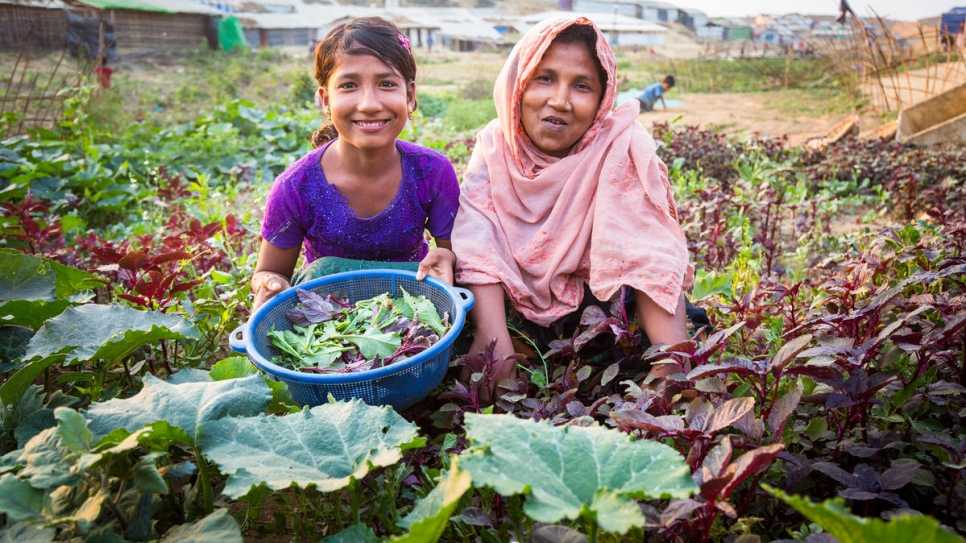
(573, 472)
(836, 520)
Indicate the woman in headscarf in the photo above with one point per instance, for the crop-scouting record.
(564, 192)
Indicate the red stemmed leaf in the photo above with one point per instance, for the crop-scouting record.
(639, 420)
(149, 284)
(711, 486)
(783, 408)
(132, 260)
(738, 366)
(899, 475)
(719, 457)
(749, 463)
(787, 353)
(815, 372)
(717, 339)
(678, 510)
(728, 413)
(953, 326)
(697, 412)
(610, 373)
(171, 256)
(837, 473)
(609, 324)
(592, 316)
(187, 285)
(140, 301)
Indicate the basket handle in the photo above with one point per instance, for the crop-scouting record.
(237, 340)
(465, 297)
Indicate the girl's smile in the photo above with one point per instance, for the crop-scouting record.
(367, 101)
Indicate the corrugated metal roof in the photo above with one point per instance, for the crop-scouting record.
(659, 5)
(157, 6)
(604, 21)
(452, 22)
(48, 4)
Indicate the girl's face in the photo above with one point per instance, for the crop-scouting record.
(368, 101)
(561, 98)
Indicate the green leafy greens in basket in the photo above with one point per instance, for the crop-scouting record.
(334, 336)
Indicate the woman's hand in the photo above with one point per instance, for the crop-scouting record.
(266, 285)
(439, 263)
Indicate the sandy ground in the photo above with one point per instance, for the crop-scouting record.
(742, 113)
(907, 88)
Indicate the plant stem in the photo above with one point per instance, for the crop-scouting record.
(594, 529)
(121, 521)
(354, 490)
(204, 482)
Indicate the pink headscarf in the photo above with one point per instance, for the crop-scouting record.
(544, 226)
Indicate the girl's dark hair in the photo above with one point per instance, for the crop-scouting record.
(586, 35)
(364, 36)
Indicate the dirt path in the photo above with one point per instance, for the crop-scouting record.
(747, 113)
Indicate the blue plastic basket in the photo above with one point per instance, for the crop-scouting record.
(400, 384)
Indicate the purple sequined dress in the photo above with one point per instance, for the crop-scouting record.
(303, 206)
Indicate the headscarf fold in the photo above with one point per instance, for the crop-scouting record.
(545, 226)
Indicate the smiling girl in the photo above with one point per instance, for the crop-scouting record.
(361, 196)
(564, 197)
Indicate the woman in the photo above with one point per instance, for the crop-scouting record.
(563, 193)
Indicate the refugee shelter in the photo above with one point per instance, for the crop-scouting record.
(35, 24)
(137, 25)
(620, 30)
(456, 29)
(661, 12)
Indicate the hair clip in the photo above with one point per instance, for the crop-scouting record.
(404, 41)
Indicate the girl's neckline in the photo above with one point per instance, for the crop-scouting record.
(317, 165)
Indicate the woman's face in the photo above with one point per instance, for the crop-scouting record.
(368, 101)
(561, 98)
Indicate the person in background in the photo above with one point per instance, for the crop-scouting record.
(565, 200)
(654, 92)
(362, 199)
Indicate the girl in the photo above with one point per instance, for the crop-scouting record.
(565, 195)
(361, 195)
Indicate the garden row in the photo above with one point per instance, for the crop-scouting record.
(835, 368)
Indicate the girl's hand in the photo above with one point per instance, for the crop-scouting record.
(266, 285)
(439, 263)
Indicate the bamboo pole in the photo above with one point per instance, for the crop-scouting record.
(23, 47)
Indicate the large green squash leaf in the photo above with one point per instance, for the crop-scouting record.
(186, 406)
(47, 463)
(19, 500)
(108, 332)
(232, 367)
(837, 521)
(26, 277)
(13, 388)
(27, 533)
(429, 516)
(573, 471)
(218, 526)
(31, 314)
(326, 446)
(357, 533)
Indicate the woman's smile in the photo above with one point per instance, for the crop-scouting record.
(561, 98)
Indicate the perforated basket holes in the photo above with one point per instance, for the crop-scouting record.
(359, 288)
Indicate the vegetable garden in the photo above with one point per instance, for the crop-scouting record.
(825, 401)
